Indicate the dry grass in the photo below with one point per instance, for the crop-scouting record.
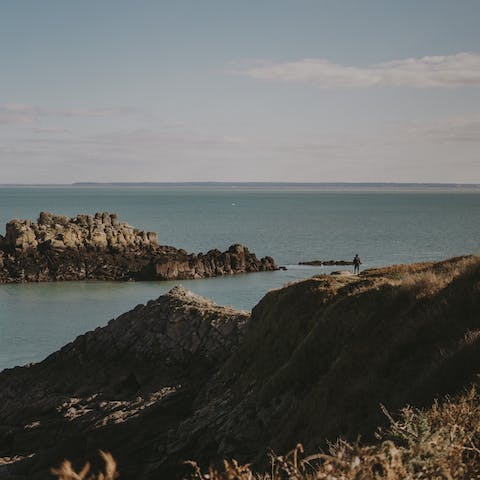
(66, 471)
(442, 272)
(440, 443)
(421, 280)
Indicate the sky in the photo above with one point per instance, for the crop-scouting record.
(246, 90)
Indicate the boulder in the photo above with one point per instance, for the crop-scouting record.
(20, 235)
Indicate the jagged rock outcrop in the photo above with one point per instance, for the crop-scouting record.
(100, 247)
(100, 232)
(181, 378)
(147, 362)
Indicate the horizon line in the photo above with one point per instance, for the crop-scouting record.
(231, 183)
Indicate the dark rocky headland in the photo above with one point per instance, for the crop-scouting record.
(100, 247)
(182, 378)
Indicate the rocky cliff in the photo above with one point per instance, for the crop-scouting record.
(100, 247)
(182, 378)
(141, 372)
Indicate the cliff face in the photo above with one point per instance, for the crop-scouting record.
(100, 247)
(181, 378)
(140, 372)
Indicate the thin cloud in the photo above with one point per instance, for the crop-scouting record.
(19, 113)
(50, 130)
(11, 114)
(135, 143)
(94, 112)
(458, 129)
(167, 137)
(461, 69)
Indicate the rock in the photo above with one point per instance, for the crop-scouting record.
(319, 263)
(237, 249)
(343, 273)
(61, 220)
(337, 262)
(151, 359)
(100, 247)
(106, 219)
(20, 235)
(45, 218)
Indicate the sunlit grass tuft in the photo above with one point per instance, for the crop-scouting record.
(66, 471)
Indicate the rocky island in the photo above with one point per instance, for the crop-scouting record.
(100, 247)
(182, 378)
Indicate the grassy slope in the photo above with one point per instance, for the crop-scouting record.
(321, 355)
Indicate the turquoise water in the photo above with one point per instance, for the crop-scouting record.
(383, 227)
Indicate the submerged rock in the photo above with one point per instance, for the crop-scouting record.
(320, 263)
(100, 247)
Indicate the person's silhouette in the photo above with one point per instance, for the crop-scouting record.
(356, 264)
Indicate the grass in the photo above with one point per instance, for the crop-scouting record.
(66, 471)
(440, 443)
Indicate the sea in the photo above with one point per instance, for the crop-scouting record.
(290, 223)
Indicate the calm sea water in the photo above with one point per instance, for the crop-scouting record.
(291, 226)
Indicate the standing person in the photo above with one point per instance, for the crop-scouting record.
(356, 264)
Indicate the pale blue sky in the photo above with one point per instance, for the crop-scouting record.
(240, 90)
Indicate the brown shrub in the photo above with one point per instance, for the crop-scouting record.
(437, 443)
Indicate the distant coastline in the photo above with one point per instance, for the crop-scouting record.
(292, 186)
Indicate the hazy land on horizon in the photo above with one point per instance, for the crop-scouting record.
(300, 186)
